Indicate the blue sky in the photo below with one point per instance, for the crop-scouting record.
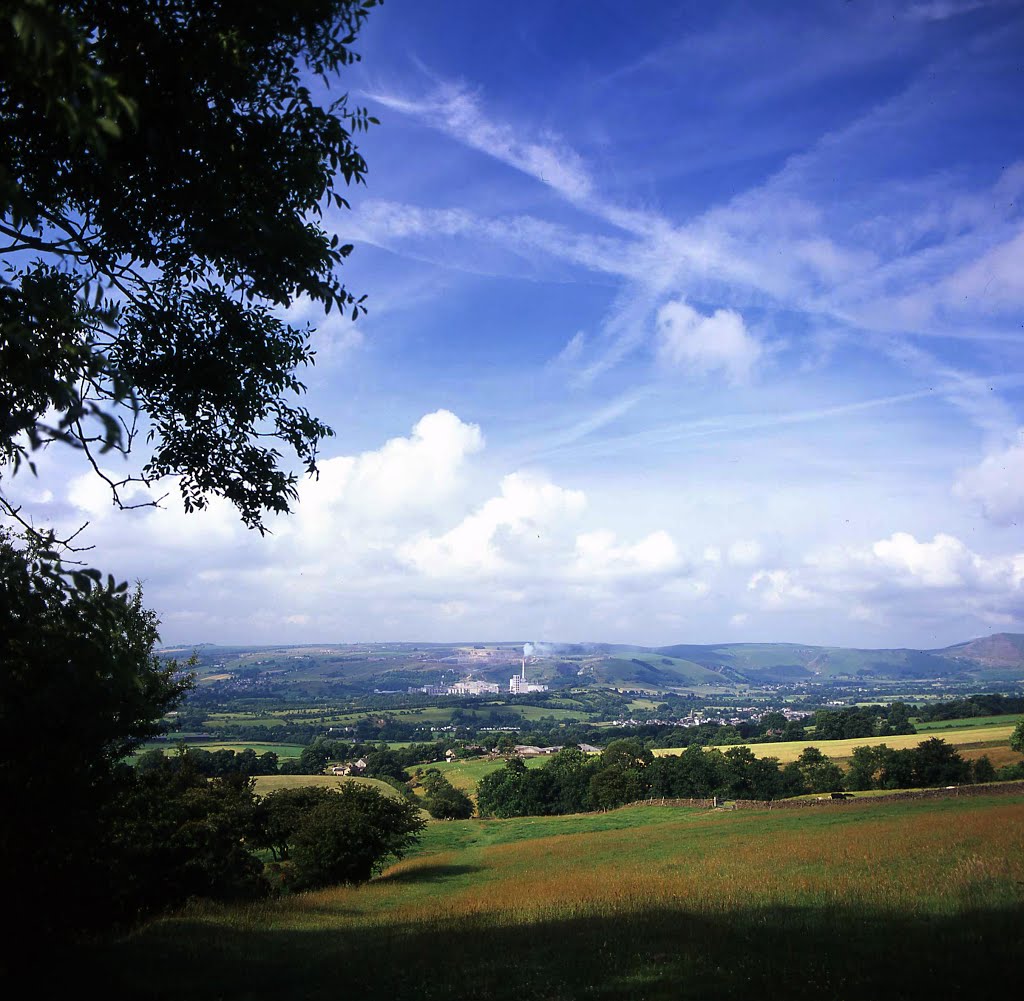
(687, 323)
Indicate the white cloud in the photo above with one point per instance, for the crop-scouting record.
(455, 110)
(520, 526)
(993, 282)
(702, 345)
(902, 562)
(571, 353)
(997, 484)
(599, 554)
(943, 562)
(778, 589)
(406, 474)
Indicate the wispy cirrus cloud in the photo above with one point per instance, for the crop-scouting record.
(454, 109)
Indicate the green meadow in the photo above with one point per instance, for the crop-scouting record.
(271, 783)
(969, 723)
(917, 899)
(281, 750)
(466, 774)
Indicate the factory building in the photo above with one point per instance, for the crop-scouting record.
(518, 685)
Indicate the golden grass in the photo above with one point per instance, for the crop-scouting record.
(787, 751)
(999, 756)
(898, 858)
(914, 899)
(270, 783)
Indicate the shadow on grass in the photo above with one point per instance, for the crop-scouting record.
(427, 874)
(793, 953)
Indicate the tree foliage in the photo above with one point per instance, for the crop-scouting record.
(349, 835)
(164, 178)
(80, 688)
(163, 181)
(443, 801)
(173, 835)
(1017, 737)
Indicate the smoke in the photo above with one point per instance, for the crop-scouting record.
(527, 649)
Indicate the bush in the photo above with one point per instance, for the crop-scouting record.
(349, 836)
(443, 801)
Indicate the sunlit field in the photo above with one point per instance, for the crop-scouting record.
(971, 722)
(914, 899)
(789, 750)
(466, 774)
(281, 750)
(271, 783)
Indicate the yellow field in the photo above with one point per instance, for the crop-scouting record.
(786, 751)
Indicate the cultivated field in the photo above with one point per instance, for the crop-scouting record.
(971, 722)
(466, 775)
(785, 751)
(271, 783)
(281, 750)
(920, 899)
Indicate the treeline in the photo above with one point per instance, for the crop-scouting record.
(381, 761)
(173, 833)
(218, 764)
(931, 763)
(863, 721)
(973, 705)
(627, 771)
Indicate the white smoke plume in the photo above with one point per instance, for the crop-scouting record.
(527, 649)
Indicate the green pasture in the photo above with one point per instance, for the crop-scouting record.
(218, 720)
(271, 783)
(972, 722)
(916, 899)
(789, 750)
(466, 775)
(281, 750)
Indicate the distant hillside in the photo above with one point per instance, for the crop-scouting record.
(998, 655)
(398, 666)
(1000, 650)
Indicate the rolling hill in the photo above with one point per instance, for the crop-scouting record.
(399, 666)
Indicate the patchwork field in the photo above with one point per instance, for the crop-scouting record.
(969, 723)
(281, 750)
(919, 899)
(786, 751)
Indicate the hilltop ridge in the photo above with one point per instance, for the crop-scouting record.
(399, 666)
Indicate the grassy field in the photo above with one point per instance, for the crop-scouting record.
(920, 899)
(466, 775)
(271, 783)
(785, 751)
(281, 750)
(969, 723)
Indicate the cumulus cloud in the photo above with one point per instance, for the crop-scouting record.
(778, 589)
(527, 518)
(896, 583)
(943, 562)
(997, 484)
(599, 554)
(405, 474)
(702, 345)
